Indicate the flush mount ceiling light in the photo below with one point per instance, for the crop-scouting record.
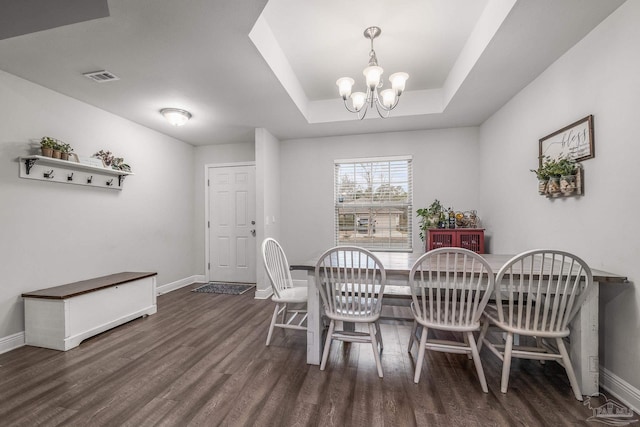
(384, 102)
(176, 116)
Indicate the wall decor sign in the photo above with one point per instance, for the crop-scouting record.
(574, 141)
(91, 161)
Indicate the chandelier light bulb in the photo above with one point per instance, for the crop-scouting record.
(344, 87)
(358, 99)
(388, 97)
(373, 75)
(398, 81)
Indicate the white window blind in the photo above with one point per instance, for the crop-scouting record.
(373, 203)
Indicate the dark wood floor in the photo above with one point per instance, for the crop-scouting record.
(201, 360)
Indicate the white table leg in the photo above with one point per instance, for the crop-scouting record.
(314, 324)
(583, 348)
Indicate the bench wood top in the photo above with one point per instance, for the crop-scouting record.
(85, 286)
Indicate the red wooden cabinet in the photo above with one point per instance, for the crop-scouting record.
(468, 238)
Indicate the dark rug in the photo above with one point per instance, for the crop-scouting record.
(224, 288)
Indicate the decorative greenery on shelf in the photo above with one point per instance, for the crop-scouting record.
(563, 166)
(65, 148)
(110, 160)
(48, 142)
(429, 217)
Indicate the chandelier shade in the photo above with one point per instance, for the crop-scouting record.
(386, 100)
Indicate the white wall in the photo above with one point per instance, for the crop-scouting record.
(445, 166)
(52, 234)
(599, 76)
(211, 155)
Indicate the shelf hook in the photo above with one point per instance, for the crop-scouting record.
(49, 174)
(89, 179)
(70, 177)
(110, 182)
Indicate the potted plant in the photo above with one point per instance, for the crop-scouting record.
(111, 161)
(119, 164)
(553, 171)
(430, 217)
(65, 149)
(56, 150)
(46, 146)
(543, 178)
(567, 168)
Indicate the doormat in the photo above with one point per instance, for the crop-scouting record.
(224, 288)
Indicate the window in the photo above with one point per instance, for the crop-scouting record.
(373, 203)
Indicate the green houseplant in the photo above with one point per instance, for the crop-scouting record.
(429, 217)
(65, 149)
(557, 175)
(46, 146)
(542, 174)
(567, 169)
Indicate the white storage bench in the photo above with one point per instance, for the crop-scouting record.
(62, 317)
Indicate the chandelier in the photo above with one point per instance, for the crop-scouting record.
(386, 100)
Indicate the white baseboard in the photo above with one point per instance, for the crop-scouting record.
(168, 287)
(263, 293)
(620, 389)
(11, 342)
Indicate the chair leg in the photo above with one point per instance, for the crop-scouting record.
(412, 338)
(374, 344)
(483, 334)
(379, 336)
(540, 346)
(327, 345)
(273, 323)
(506, 362)
(569, 368)
(465, 338)
(421, 350)
(284, 313)
(476, 360)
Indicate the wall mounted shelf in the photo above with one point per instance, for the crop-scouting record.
(68, 172)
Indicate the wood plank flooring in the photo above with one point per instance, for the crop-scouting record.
(201, 360)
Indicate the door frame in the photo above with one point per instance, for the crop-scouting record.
(207, 270)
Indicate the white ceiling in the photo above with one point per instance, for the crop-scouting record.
(237, 65)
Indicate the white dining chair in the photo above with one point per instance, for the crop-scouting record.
(351, 283)
(449, 288)
(284, 291)
(540, 306)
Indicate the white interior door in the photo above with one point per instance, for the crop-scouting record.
(232, 241)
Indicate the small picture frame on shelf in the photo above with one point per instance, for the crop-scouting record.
(574, 141)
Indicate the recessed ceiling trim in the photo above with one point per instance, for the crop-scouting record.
(415, 102)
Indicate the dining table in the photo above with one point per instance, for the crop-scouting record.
(583, 340)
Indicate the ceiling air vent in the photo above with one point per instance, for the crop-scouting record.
(101, 76)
